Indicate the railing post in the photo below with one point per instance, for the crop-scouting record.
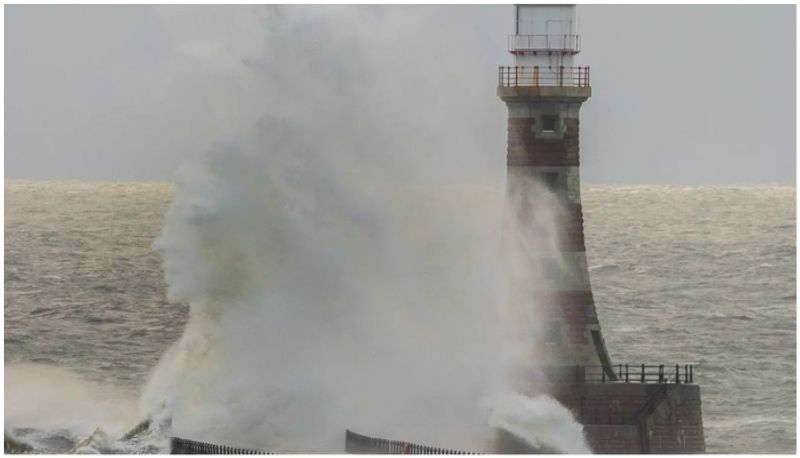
(627, 374)
(691, 373)
(677, 373)
(560, 76)
(660, 373)
(642, 373)
(516, 76)
(535, 75)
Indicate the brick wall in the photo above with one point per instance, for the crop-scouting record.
(616, 439)
(572, 306)
(677, 424)
(607, 411)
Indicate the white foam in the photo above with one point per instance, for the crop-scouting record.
(541, 421)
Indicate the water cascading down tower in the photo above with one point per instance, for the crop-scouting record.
(624, 407)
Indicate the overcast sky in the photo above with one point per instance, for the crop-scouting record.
(681, 94)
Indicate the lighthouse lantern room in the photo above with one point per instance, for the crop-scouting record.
(544, 46)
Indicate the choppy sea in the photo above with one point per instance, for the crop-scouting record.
(702, 275)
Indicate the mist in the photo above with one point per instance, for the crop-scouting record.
(340, 272)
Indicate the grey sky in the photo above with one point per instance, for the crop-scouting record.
(681, 94)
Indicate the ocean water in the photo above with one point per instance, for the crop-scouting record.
(702, 275)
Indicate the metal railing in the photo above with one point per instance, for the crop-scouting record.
(638, 373)
(544, 76)
(518, 44)
(357, 443)
(178, 446)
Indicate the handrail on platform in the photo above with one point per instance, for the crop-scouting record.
(637, 373)
(543, 76)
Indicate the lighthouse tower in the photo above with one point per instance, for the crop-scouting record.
(625, 407)
(544, 91)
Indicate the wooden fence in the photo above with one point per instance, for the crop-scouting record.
(356, 443)
(178, 446)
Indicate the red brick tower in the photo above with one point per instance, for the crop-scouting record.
(544, 93)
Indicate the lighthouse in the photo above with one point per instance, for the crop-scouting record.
(624, 407)
(544, 90)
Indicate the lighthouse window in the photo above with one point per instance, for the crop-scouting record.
(550, 179)
(549, 123)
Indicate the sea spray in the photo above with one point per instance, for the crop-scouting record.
(540, 421)
(58, 411)
(49, 397)
(306, 322)
(315, 316)
(341, 272)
